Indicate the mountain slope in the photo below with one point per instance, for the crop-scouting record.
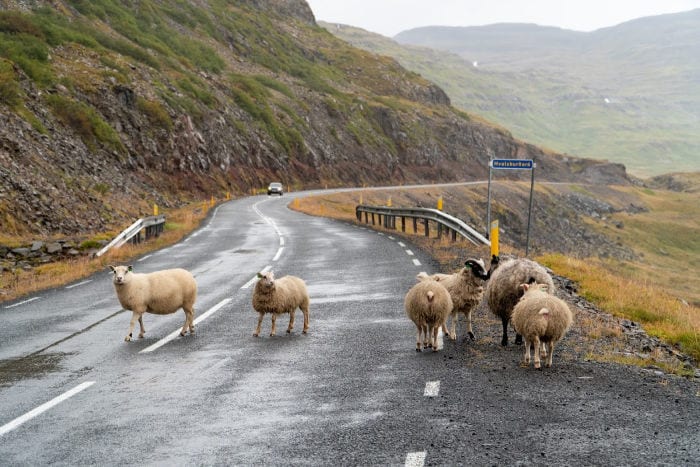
(110, 106)
(630, 93)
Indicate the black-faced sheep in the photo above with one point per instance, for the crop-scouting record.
(160, 292)
(283, 295)
(503, 288)
(540, 318)
(428, 304)
(466, 290)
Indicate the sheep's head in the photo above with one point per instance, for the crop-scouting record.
(120, 273)
(477, 267)
(267, 279)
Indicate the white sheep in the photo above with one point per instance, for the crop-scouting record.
(160, 292)
(503, 288)
(428, 304)
(283, 295)
(466, 290)
(540, 317)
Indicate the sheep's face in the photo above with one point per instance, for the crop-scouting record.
(476, 267)
(267, 279)
(121, 274)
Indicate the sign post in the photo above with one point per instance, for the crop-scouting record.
(513, 164)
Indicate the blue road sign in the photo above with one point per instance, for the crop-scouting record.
(512, 164)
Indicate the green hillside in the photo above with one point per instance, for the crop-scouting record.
(629, 93)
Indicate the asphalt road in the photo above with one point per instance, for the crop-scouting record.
(350, 392)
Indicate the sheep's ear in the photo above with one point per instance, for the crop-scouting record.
(525, 287)
(129, 268)
(111, 268)
(260, 276)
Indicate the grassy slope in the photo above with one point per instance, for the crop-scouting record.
(552, 93)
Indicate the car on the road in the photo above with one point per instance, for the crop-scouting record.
(276, 188)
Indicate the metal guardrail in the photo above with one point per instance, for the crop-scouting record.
(154, 226)
(452, 225)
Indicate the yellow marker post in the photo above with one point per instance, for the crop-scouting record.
(155, 209)
(388, 202)
(360, 198)
(439, 203)
(494, 238)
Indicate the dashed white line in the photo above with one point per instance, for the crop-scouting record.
(391, 238)
(78, 284)
(415, 459)
(281, 240)
(43, 408)
(416, 262)
(22, 303)
(409, 252)
(432, 389)
(279, 253)
(176, 333)
(402, 244)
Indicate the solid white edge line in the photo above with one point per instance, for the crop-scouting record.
(415, 459)
(279, 253)
(416, 262)
(144, 258)
(43, 407)
(78, 284)
(432, 389)
(22, 303)
(176, 333)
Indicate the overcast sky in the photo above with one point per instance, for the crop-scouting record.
(389, 17)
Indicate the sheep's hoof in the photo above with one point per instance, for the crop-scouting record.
(417, 349)
(141, 336)
(537, 366)
(182, 334)
(504, 343)
(289, 331)
(471, 335)
(518, 340)
(127, 338)
(255, 334)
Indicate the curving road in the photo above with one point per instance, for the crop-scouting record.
(351, 392)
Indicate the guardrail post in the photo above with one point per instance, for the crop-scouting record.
(403, 223)
(427, 228)
(415, 225)
(454, 235)
(439, 231)
(372, 218)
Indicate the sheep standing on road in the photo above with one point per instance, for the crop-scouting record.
(428, 304)
(283, 295)
(466, 290)
(160, 292)
(503, 289)
(540, 318)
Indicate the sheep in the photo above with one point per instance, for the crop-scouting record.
(540, 318)
(466, 290)
(160, 292)
(283, 295)
(428, 303)
(503, 288)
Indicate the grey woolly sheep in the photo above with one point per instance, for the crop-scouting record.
(283, 295)
(428, 304)
(540, 318)
(466, 290)
(503, 288)
(160, 292)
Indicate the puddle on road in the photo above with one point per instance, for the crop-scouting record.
(31, 366)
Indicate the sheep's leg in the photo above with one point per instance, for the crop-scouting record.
(426, 337)
(435, 330)
(291, 321)
(526, 358)
(274, 321)
(143, 329)
(189, 315)
(550, 354)
(135, 316)
(543, 350)
(419, 331)
(453, 328)
(305, 311)
(504, 339)
(469, 325)
(536, 346)
(518, 339)
(260, 320)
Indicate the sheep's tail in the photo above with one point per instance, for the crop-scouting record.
(544, 312)
(430, 295)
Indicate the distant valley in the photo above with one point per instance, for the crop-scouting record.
(629, 93)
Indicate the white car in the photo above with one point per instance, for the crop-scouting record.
(276, 188)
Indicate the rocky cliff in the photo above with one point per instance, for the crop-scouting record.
(107, 107)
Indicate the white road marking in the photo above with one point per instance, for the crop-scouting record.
(176, 333)
(78, 284)
(416, 262)
(432, 389)
(409, 252)
(255, 278)
(281, 241)
(415, 459)
(402, 244)
(43, 408)
(22, 303)
(279, 253)
(144, 258)
(391, 238)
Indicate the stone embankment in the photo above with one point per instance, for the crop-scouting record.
(39, 252)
